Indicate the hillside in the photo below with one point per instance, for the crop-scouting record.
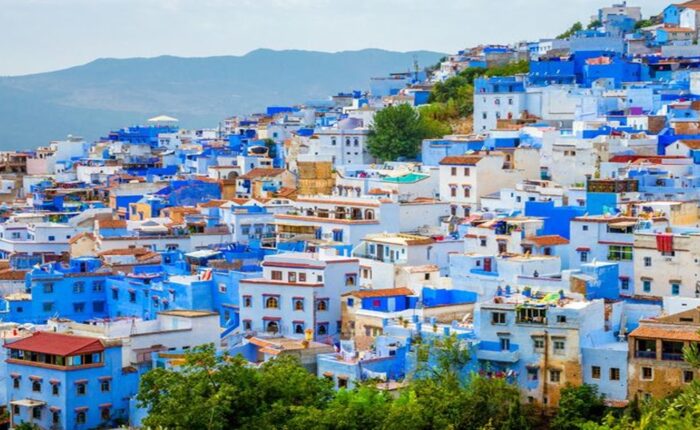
(90, 99)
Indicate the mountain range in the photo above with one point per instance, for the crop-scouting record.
(91, 99)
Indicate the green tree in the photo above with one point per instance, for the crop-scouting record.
(594, 24)
(576, 27)
(398, 132)
(203, 394)
(643, 23)
(577, 405)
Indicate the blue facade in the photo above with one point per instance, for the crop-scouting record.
(557, 220)
(76, 292)
(85, 391)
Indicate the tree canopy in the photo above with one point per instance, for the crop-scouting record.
(399, 130)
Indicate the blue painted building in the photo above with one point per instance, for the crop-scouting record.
(70, 382)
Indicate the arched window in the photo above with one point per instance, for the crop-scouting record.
(299, 328)
(271, 303)
(322, 329)
(298, 305)
(273, 327)
(36, 386)
(322, 305)
(369, 214)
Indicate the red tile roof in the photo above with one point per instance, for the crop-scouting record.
(461, 160)
(672, 332)
(550, 240)
(112, 223)
(58, 344)
(262, 173)
(384, 292)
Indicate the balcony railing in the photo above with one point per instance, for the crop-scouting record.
(672, 356)
(646, 354)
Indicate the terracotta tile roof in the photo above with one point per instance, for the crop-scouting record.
(12, 275)
(691, 143)
(550, 240)
(212, 204)
(112, 223)
(650, 158)
(58, 344)
(262, 173)
(461, 160)
(79, 236)
(286, 192)
(689, 333)
(124, 251)
(384, 292)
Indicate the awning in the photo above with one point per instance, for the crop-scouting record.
(28, 403)
(583, 249)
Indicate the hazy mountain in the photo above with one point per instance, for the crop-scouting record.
(91, 99)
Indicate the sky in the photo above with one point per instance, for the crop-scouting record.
(43, 35)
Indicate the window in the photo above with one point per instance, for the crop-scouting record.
(48, 288)
(647, 373)
(554, 375)
(467, 192)
(292, 276)
(302, 277)
(498, 317)
(276, 275)
(619, 253)
(222, 287)
(36, 386)
(319, 278)
(532, 374)
(104, 414)
(247, 302)
(584, 256)
(538, 344)
(688, 376)
(115, 294)
(132, 297)
(54, 389)
(482, 242)
(47, 306)
(559, 346)
(624, 284)
(453, 171)
(80, 417)
(595, 372)
(272, 302)
(79, 307)
(614, 374)
(36, 413)
(247, 325)
(322, 329)
(584, 227)
(466, 171)
(52, 238)
(79, 287)
(55, 417)
(675, 288)
(350, 280)
(98, 286)
(105, 386)
(505, 344)
(299, 304)
(646, 285)
(453, 192)
(15, 383)
(647, 261)
(322, 305)
(81, 388)
(561, 319)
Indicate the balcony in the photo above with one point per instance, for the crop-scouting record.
(646, 354)
(491, 351)
(672, 356)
